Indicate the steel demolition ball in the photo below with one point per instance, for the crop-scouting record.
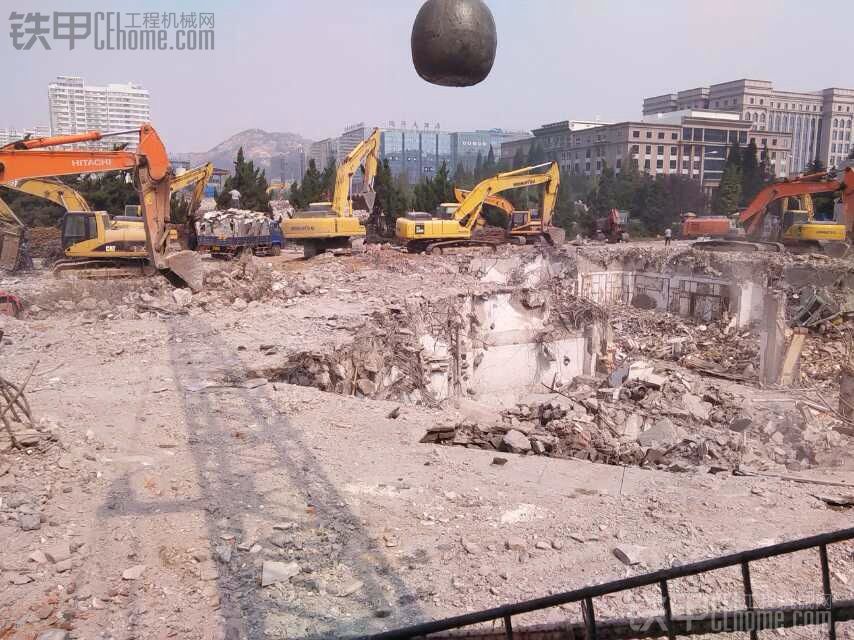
(454, 42)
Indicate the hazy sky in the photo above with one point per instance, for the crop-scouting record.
(313, 66)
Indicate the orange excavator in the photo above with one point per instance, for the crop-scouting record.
(795, 228)
(91, 236)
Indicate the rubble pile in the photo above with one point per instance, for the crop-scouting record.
(655, 419)
(383, 362)
(45, 242)
(717, 348)
(232, 223)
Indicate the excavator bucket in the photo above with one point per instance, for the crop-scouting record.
(185, 267)
(370, 198)
(556, 236)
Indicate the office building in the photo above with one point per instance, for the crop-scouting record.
(691, 143)
(468, 145)
(323, 152)
(76, 107)
(819, 122)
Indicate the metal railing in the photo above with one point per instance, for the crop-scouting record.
(749, 619)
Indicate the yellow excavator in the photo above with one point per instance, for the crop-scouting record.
(127, 230)
(13, 235)
(452, 223)
(332, 225)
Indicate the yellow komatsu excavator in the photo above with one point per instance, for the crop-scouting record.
(452, 223)
(332, 225)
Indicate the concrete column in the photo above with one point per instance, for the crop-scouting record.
(772, 338)
(592, 342)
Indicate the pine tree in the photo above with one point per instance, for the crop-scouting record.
(603, 196)
(443, 189)
(390, 201)
(751, 177)
(295, 196)
(250, 182)
(312, 185)
(490, 168)
(728, 194)
(766, 173)
(518, 159)
(327, 180)
(478, 167)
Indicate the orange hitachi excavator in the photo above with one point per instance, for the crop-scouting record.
(91, 236)
(795, 228)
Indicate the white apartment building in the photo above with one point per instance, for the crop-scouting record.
(819, 122)
(11, 134)
(76, 107)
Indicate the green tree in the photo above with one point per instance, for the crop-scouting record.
(536, 155)
(311, 189)
(518, 159)
(250, 182)
(751, 176)
(728, 194)
(295, 196)
(766, 173)
(327, 180)
(478, 167)
(462, 178)
(603, 196)
(490, 167)
(390, 201)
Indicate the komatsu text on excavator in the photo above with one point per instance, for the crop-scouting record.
(452, 223)
(333, 225)
(90, 233)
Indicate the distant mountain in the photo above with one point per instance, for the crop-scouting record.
(258, 145)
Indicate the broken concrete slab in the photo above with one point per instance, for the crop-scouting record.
(630, 554)
(273, 572)
(516, 441)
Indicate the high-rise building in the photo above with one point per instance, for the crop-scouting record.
(819, 122)
(76, 107)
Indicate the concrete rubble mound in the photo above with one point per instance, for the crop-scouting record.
(231, 223)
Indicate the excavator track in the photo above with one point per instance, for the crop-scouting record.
(102, 269)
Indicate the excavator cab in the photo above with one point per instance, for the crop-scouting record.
(78, 226)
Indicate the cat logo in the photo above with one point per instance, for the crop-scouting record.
(109, 248)
(419, 229)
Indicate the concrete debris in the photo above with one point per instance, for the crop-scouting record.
(273, 572)
(133, 573)
(630, 554)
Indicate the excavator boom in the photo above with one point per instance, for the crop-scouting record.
(54, 190)
(364, 154)
(198, 178)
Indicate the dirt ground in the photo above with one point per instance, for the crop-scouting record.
(166, 473)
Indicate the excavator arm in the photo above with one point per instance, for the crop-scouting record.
(152, 172)
(753, 215)
(471, 206)
(198, 178)
(364, 154)
(495, 201)
(53, 190)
